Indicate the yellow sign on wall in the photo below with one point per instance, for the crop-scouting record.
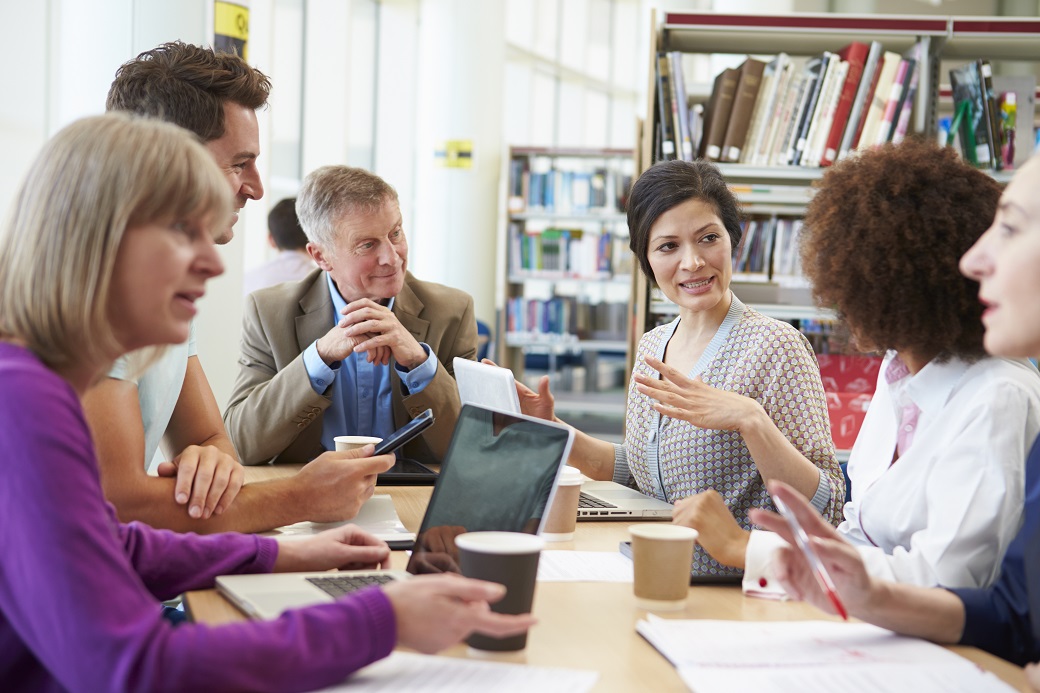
(455, 154)
(231, 28)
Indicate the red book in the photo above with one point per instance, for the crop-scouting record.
(855, 54)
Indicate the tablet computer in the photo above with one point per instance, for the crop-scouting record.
(484, 385)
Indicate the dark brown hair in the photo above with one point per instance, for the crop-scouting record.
(187, 85)
(668, 184)
(881, 242)
(285, 227)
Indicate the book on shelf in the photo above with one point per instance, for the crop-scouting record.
(1016, 94)
(855, 56)
(864, 92)
(664, 105)
(751, 71)
(716, 115)
(990, 112)
(780, 137)
(824, 116)
(902, 125)
(565, 318)
(898, 98)
(680, 110)
(970, 114)
(815, 71)
(775, 78)
(562, 252)
(879, 100)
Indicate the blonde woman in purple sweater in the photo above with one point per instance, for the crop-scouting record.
(108, 248)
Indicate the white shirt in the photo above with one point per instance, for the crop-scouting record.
(286, 266)
(945, 511)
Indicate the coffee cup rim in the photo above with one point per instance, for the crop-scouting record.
(663, 531)
(500, 542)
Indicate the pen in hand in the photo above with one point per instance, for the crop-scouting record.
(823, 578)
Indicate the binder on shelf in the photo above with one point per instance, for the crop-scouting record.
(716, 115)
(751, 71)
(864, 93)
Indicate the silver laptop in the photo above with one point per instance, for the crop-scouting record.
(485, 385)
(607, 500)
(495, 388)
(499, 474)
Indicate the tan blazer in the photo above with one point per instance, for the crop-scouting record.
(275, 415)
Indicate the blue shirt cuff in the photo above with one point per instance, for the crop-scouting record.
(418, 378)
(319, 373)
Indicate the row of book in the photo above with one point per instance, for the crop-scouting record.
(565, 315)
(536, 185)
(768, 251)
(984, 120)
(782, 114)
(567, 252)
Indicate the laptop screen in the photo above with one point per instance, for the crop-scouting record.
(499, 474)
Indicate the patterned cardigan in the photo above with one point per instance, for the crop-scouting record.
(752, 355)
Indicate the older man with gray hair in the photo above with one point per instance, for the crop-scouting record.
(359, 346)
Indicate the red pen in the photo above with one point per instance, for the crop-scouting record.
(823, 578)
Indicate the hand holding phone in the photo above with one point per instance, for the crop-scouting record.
(405, 434)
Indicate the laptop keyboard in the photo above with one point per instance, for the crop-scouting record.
(587, 501)
(338, 585)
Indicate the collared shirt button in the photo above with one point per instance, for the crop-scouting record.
(320, 381)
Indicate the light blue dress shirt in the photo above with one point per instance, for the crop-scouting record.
(360, 391)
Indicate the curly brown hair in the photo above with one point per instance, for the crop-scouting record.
(881, 242)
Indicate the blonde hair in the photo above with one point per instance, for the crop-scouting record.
(91, 182)
(330, 192)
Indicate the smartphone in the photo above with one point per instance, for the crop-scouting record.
(405, 434)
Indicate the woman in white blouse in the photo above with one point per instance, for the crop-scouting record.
(937, 469)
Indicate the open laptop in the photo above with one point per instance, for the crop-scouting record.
(495, 388)
(499, 474)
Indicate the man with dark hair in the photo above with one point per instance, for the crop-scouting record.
(292, 262)
(214, 95)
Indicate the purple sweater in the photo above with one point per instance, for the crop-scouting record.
(79, 591)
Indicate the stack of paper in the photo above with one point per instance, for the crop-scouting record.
(417, 673)
(809, 656)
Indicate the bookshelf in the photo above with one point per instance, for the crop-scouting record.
(774, 192)
(566, 270)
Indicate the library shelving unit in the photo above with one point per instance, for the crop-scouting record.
(778, 195)
(564, 265)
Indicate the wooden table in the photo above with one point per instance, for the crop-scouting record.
(592, 625)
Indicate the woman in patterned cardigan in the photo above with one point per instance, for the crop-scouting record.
(755, 405)
(937, 467)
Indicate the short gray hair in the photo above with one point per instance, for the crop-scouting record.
(91, 182)
(330, 192)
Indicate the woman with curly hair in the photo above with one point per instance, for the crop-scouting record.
(937, 468)
(755, 408)
(1002, 618)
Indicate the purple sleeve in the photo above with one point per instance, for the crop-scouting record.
(170, 563)
(76, 614)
